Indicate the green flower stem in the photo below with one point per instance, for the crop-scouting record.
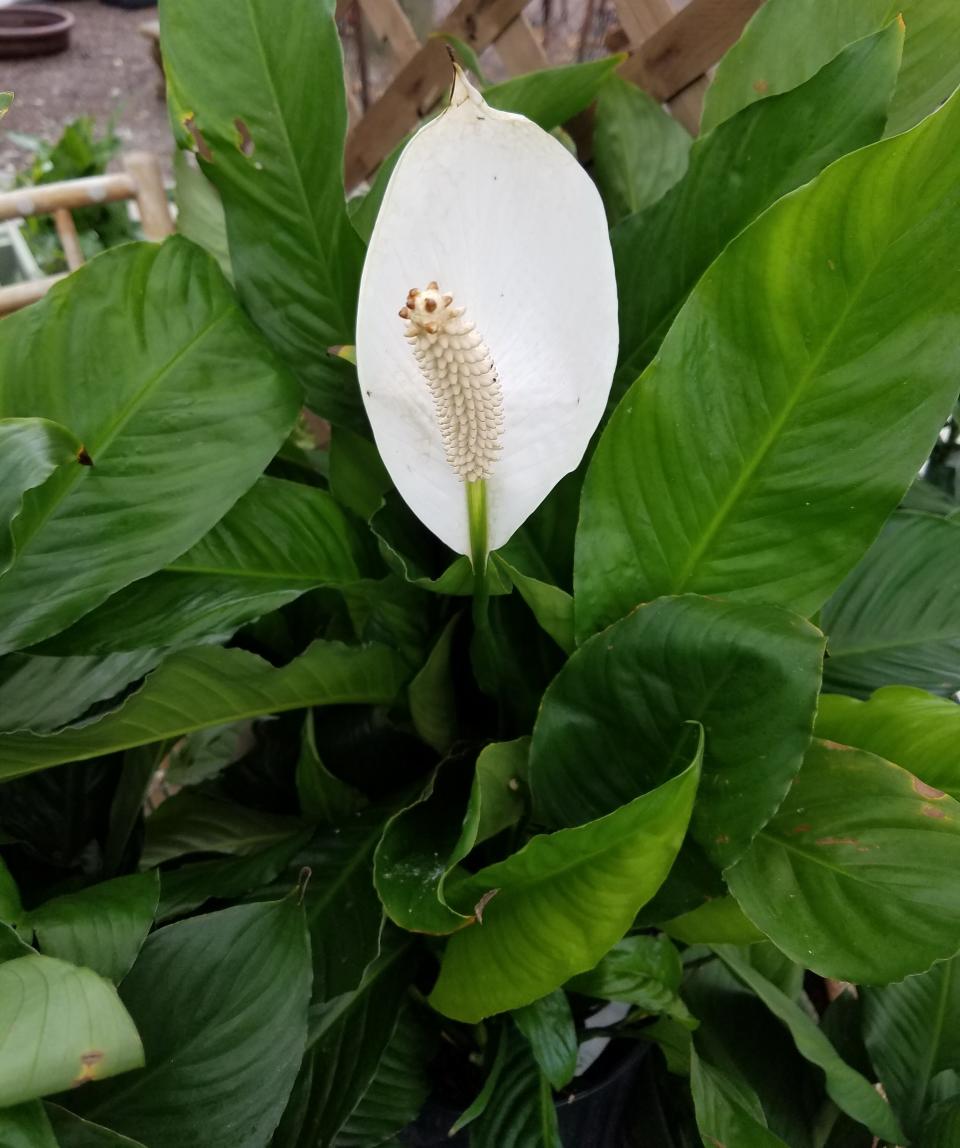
(477, 518)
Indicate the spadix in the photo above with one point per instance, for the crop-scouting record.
(483, 393)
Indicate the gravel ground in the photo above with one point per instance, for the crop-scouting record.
(108, 70)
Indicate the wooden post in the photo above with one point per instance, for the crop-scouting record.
(517, 46)
(72, 193)
(155, 218)
(69, 240)
(20, 294)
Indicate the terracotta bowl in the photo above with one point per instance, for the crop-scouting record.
(33, 30)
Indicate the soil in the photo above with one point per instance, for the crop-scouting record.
(108, 70)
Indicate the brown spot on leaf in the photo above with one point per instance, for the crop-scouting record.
(200, 145)
(761, 87)
(88, 1064)
(837, 841)
(83, 456)
(928, 790)
(836, 745)
(723, 839)
(804, 828)
(244, 138)
(483, 903)
(932, 811)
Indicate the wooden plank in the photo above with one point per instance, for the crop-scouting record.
(418, 85)
(69, 240)
(390, 25)
(45, 199)
(519, 48)
(156, 219)
(21, 294)
(682, 50)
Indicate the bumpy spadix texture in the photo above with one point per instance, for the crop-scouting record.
(496, 238)
(459, 371)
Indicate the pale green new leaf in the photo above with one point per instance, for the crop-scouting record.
(101, 927)
(213, 686)
(855, 876)
(179, 403)
(915, 729)
(60, 1026)
(554, 908)
(833, 328)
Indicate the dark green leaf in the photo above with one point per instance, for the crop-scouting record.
(644, 971)
(522, 1112)
(268, 123)
(200, 215)
(815, 425)
(850, 1091)
(554, 908)
(102, 927)
(280, 540)
(548, 1025)
(60, 1026)
(73, 1131)
(433, 708)
(788, 40)
(734, 174)
(115, 352)
(212, 686)
(895, 620)
(323, 797)
(912, 1034)
(750, 674)
(223, 1038)
(728, 1111)
(855, 876)
(639, 150)
(552, 96)
(26, 1126)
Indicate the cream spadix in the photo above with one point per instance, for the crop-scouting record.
(483, 392)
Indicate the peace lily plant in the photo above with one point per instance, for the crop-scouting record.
(658, 843)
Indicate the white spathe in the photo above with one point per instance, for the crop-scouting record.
(502, 217)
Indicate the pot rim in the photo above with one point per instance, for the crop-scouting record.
(62, 22)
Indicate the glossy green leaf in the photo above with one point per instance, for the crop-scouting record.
(907, 726)
(643, 970)
(30, 451)
(552, 96)
(43, 693)
(268, 124)
(554, 908)
(895, 620)
(750, 674)
(399, 1088)
(344, 915)
(639, 149)
(728, 1111)
(26, 1126)
(101, 927)
(358, 478)
(60, 1026)
(719, 921)
(501, 774)
(323, 797)
(817, 426)
(548, 1025)
(73, 1131)
(280, 540)
(350, 1037)
(211, 686)
(942, 1128)
(11, 907)
(788, 40)
(197, 822)
(848, 1089)
(734, 174)
(223, 1039)
(433, 708)
(911, 1032)
(551, 606)
(521, 1113)
(115, 352)
(12, 944)
(855, 877)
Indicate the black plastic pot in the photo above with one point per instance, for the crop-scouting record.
(130, 3)
(33, 30)
(606, 1114)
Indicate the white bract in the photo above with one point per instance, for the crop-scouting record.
(491, 243)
